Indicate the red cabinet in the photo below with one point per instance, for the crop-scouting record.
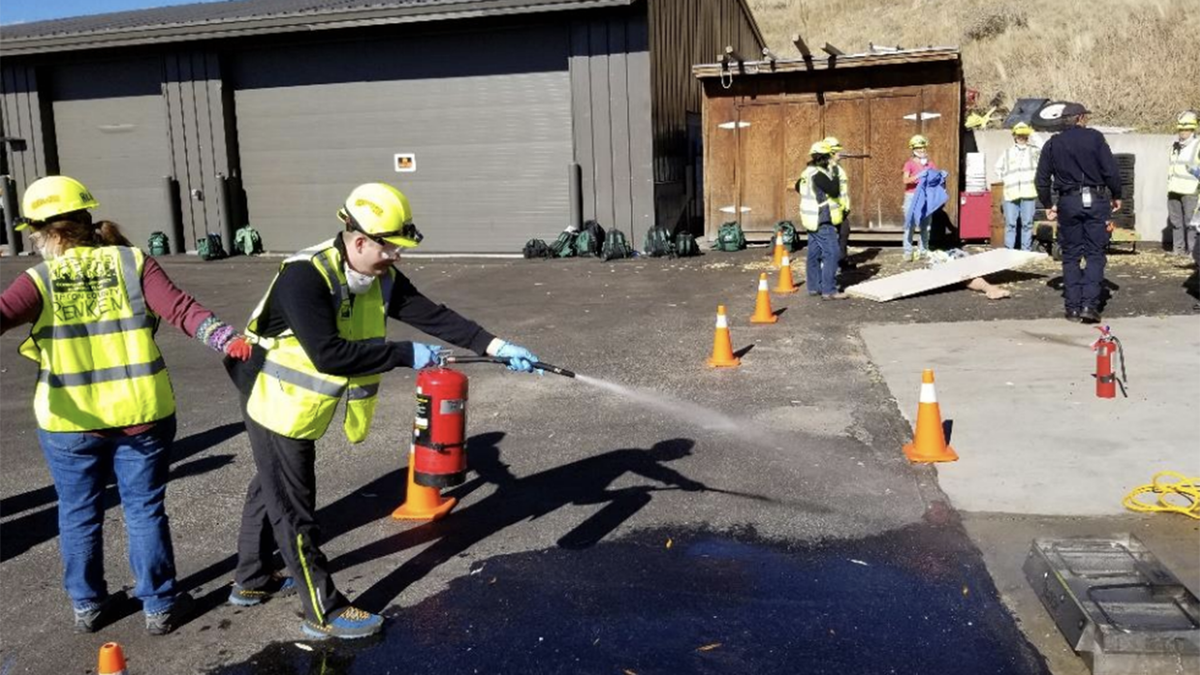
(975, 215)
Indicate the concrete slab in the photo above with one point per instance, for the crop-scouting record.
(1031, 435)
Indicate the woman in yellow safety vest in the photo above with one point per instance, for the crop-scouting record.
(103, 400)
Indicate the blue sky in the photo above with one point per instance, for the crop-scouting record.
(24, 11)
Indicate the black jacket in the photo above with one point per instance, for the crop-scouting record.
(299, 300)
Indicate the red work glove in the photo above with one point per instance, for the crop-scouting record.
(239, 348)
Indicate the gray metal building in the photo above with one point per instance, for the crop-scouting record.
(510, 118)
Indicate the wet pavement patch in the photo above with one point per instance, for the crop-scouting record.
(916, 600)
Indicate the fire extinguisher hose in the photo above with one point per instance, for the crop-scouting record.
(1176, 493)
(538, 365)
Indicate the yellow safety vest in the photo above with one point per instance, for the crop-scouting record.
(1018, 168)
(1179, 180)
(290, 396)
(94, 341)
(844, 182)
(810, 208)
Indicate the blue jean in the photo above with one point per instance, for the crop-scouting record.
(81, 465)
(908, 228)
(1082, 235)
(1024, 209)
(822, 262)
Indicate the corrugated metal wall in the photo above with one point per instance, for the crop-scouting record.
(28, 124)
(111, 134)
(611, 104)
(486, 115)
(195, 100)
(682, 34)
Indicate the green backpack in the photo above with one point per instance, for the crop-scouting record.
(564, 246)
(615, 246)
(209, 247)
(685, 245)
(247, 241)
(657, 242)
(730, 238)
(589, 240)
(159, 244)
(788, 229)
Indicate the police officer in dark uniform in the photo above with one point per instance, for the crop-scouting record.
(1078, 166)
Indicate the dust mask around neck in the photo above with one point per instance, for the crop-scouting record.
(359, 283)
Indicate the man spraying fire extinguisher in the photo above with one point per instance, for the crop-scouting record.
(319, 337)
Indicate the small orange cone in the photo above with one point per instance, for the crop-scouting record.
(421, 502)
(112, 660)
(929, 444)
(722, 354)
(762, 305)
(779, 252)
(786, 284)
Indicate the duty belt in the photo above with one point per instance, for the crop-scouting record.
(1096, 190)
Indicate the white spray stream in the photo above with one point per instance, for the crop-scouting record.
(686, 411)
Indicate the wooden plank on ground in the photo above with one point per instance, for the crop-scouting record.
(945, 274)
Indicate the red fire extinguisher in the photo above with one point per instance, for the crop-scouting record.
(1106, 379)
(440, 430)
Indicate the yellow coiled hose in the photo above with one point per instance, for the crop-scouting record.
(1172, 489)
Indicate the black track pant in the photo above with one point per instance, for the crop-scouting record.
(281, 512)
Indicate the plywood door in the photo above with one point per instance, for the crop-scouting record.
(943, 134)
(802, 127)
(846, 119)
(883, 204)
(760, 166)
(720, 163)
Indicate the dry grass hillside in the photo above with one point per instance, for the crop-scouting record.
(1135, 63)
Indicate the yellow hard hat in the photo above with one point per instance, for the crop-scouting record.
(1022, 129)
(1187, 120)
(820, 148)
(834, 144)
(380, 211)
(53, 196)
(918, 141)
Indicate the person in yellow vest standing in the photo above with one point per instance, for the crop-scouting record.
(103, 400)
(838, 173)
(320, 336)
(1182, 184)
(1017, 167)
(821, 213)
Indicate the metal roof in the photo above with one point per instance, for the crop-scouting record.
(800, 65)
(253, 17)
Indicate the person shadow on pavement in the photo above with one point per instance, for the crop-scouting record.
(516, 499)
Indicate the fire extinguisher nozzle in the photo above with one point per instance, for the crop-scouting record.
(553, 369)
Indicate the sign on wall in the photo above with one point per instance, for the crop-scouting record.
(406, 162)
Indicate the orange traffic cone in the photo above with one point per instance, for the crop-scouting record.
(785, 277)
(779, 252)
(722, 354)
(929, 444)
(112, 660)
(762, 305)
(421, 502)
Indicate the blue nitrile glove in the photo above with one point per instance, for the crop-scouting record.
(425, 355)
(520, 359)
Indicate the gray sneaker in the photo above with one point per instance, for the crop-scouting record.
(162, 623)
(88, 619)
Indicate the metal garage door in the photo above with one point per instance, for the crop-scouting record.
(485, 116)
(110, 126)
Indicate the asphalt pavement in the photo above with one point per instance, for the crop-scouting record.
(596, 534)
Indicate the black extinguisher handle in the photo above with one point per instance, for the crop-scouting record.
(538, 365)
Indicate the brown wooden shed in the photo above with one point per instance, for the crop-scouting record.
(760, 118)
